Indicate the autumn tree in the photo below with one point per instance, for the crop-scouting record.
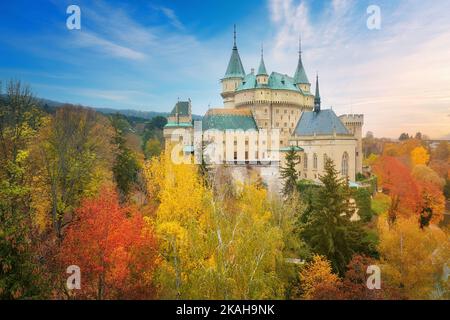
(74, 154)
(396, 181)
(442, 151)
(412, 258)
(115, 248)
(419, 155)
(327, 228)
(212, 248)
(152, 148)
(354, 283)
(318, 282)
(20, 119)
(289, 172)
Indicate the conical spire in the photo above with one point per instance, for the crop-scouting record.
(317, 96)
(300, 73)
(262, 66)
(235, 68)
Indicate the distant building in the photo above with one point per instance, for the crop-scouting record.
(281, 106)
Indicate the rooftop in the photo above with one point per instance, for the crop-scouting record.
(323, 122)
(226, 119)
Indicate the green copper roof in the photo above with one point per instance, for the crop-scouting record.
(277, 81)
(295, 148)
(262, 66)
(182, 108)
(300, 73)
(179, 124)
(222, 119)
(235, 68)
(323, 122)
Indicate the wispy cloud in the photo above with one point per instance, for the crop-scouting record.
(173, 19)
(90, 40)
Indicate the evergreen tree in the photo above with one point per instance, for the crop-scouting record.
(328, 229)
(289, 172)
(126, 166)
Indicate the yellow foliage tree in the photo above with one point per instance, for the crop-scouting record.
(419, 155)
(208, 250)
(318, 281)
(412, 258)
(183, 217)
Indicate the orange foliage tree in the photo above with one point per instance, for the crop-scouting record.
(114, 247)
(397, 182)
(318, 282)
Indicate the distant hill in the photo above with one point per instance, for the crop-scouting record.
(51, 105)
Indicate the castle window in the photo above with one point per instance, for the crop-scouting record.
(277, 111)
(277, 124)
(285, 111)
(281, 142)
(344, 169)
(285, 124)
(315, 161)
(265, 110)
(305, 162)
(324, 160)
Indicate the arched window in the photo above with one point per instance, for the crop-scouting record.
(325, 157)
(315, 161)
(305, 162)
(344, 169)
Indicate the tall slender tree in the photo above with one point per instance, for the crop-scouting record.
(289, 173)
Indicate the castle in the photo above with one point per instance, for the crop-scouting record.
(284, 109)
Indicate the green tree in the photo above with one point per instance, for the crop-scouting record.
(289, 173)
(363, 202)
(328, 229)
(126, 167)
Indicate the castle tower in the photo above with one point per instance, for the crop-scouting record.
(300, 78)
(354, 123)
(262, 78)
(233, 76)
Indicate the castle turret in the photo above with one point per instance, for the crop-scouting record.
(233, 76)
(262, 77)
(300, 78)
(354, 123)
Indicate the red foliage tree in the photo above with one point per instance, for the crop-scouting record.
(354, 284)
(114, 247)
(396, 180)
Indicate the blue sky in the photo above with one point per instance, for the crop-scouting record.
(146, 54)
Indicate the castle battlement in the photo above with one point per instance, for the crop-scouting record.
(352, 118)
